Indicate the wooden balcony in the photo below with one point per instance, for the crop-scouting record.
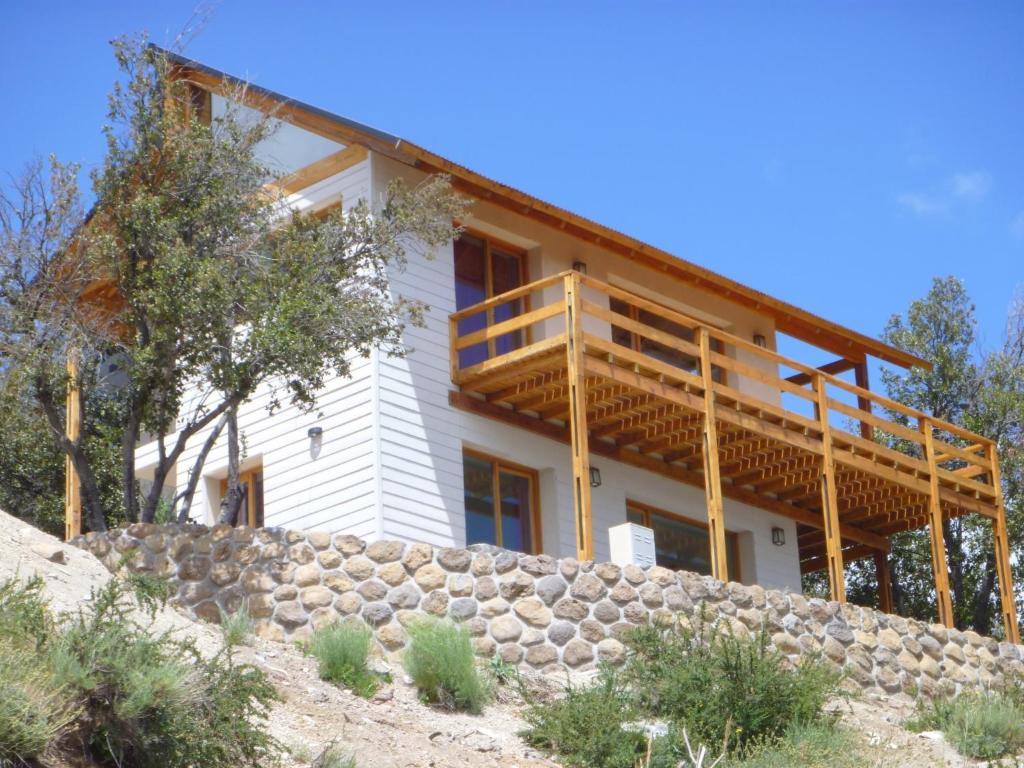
(553, 357)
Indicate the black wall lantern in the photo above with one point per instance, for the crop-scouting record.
(595, 477)
(778, 537)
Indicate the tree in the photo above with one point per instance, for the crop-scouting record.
(217, 288)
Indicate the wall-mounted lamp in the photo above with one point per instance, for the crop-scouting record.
(760, 340)
(595, 477)
(316, 441)
(580, 266)
(778, 537)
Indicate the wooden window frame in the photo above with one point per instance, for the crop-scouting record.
(634, 338)
(249, 476)
(731, 537)
(497, 466)
(522, 254)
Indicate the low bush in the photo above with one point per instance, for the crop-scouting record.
(341, 651)
(106, 687)
(986, 725)
(238, 627)
(441, 663)
(815, 745)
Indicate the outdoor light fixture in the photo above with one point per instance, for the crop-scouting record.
(315, 432)
(580, 266)
(595, 477)
(316, 441)
(760, 340)
(778, 537)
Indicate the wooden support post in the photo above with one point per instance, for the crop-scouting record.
(578, 419)
(860, 374)
(939, 566)
(1007, 603)
(72, 428)
(712, 474)
(884, 576)
(829, 498)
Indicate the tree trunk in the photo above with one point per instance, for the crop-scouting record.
(232, 501)
(195, 473)
(129, 437)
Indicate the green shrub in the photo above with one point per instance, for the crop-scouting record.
(983, 725)
(441, 663)
(334, 756)
(34, 709)
(816, 745)
(723, 688)
(238, 627)
(341, 651)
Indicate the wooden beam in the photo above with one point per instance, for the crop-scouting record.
(1007, 603)
(712, 477)
(820, 562)
(938, 543)
(73, 429)
(860, 373)
(322, 169)
(835, 367)
(829, 499)
(578, 418)
(883, 575)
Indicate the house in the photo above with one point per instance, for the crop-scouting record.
(570, 378)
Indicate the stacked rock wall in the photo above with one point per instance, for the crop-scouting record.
(530, 610)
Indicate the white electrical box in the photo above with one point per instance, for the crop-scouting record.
(631, 544)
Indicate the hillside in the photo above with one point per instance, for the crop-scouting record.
(394, 730)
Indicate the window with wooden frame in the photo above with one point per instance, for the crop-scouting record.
(681, 543)
(655, 349)
(484, 268)
(501, 503)
(251, 511)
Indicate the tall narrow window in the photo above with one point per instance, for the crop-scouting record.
(655, 349)
(484, 269)
(251, 511)
(680, 543)
(500, 503)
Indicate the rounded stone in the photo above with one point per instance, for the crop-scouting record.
(840, 631)
(338, 582)
(533, 612)
(506, 629)
(568, 567)
(593, 631)
(323, 617)
(385, 551)
(282, 571)
(289, 614)
(531, 637)
(516, 585)
(483, 646)
(511, 653)
(505, 562)
(462, 608)
(834, 650)
(454, 559)
(193, 568)
(607, 612)
(247, 555)
(609, 573)
(207, 610)
(416, 556)
(372, 590)
(223, 574)
(483, 564)
(561, 632)
(589, 588)
(316, 597)
(651, 595)
(269, 631)
(359, 567)
(404, 596)
(260, 606)
(301, 554)
(285, 592)
(676, 598)
(570, 608)
(486, 588)
(392, 636)
(578, 653)
(392, 574)
(348, 603)
(306, 575)
(634, 574)
(436, 603)
(329, 558)
(751, 618)
(318, 539)
(635, 613)
(541, 655)
(349, 545)
(663, 577)
(254, 580)
(377, 613)
(460, 585)
(538, 565)
(611, 651)
(430, 577)
(551, 588)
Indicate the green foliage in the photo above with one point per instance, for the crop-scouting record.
(107, 687)
(722, 688)
(238, 628)
(985, 725)
(342, 651)
(814, 745)
(441, 663)
(585, 727)
(333, 756)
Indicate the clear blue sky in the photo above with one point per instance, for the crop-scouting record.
(837, 155)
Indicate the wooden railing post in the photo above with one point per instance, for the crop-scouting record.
(576, 376)
(829, 498)
(1007, 603)
(884, 577)
(712, 474)
(860, 375)
(72, 428)
(938, 542)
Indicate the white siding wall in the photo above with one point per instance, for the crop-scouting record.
(335, 489)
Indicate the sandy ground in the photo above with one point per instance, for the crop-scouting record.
(395, 730)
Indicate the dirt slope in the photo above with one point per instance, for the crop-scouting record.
(395, 730)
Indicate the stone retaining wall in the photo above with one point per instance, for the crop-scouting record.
(531, 610)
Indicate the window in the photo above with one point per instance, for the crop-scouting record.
(485, 268)
(680, 543)
(251, 511)
(657, 350)
(501, 503)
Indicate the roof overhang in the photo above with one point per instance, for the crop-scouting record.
(788, 318)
